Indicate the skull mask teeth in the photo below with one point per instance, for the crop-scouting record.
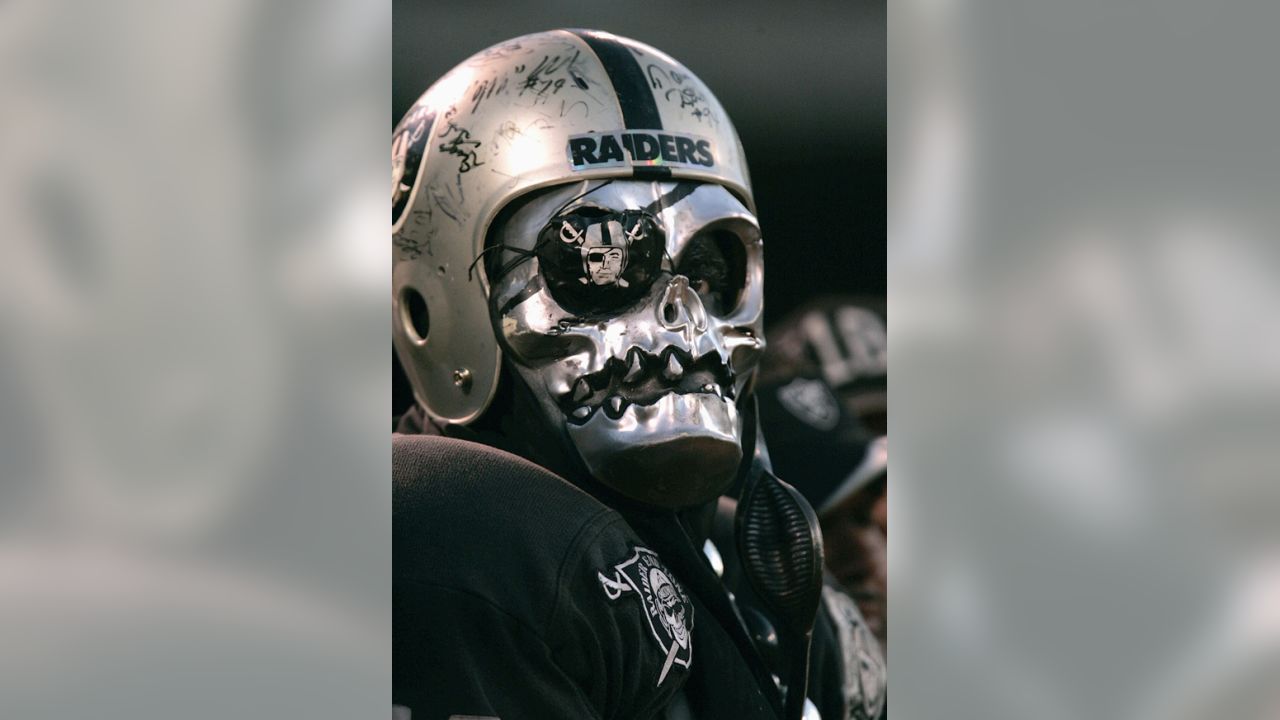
(643, 380)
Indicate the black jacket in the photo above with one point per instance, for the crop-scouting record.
(518, 595)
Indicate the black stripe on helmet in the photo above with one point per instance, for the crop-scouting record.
(651, 172)
(639, 111)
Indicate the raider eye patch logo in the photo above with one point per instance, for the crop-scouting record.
(666, 605)
(598, 261)
(639, 147)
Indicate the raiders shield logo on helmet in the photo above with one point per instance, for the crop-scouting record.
(666, 605)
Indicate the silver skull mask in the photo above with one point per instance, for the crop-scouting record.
(633, 311)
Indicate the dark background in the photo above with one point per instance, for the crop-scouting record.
(803, 82)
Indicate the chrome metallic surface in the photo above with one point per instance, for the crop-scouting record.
(499, 126)
(648, 393)
(462, 378)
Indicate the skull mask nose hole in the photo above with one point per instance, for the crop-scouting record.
(414, 315)
(669, 312)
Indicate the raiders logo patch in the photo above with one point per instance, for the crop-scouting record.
(639, 147)
(811, 402)
(408, 145)
(595, 261)
(666, 605)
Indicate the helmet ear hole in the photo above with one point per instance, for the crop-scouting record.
(414, 315)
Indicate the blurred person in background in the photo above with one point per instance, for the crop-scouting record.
(823, 406)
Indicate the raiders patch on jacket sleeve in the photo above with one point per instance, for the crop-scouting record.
(625, 621)
(666, 606)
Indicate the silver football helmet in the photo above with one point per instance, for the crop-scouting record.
(580, 203)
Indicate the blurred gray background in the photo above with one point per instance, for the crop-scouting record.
(1084, 280)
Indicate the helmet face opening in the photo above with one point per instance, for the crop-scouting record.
(557, 114)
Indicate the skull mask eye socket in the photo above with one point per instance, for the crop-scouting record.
(596, 263)
(715, 262)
